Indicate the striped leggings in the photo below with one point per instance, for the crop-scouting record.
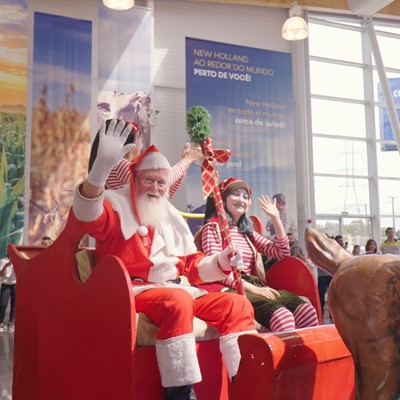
(287, 312)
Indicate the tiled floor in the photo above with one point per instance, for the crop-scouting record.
(6, 364)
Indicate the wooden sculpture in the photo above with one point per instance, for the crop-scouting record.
(364, 301)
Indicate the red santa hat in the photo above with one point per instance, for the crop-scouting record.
(151, 158)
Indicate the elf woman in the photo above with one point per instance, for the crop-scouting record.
(277, 310)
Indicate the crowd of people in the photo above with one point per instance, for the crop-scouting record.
(390, 245)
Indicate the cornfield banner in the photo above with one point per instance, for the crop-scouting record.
(61, 98)
(248, 93)
(13, 88)
(60, 129)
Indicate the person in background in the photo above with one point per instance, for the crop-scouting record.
(7, 293)
(356, 250)
(391, 245)
(339, 239)
(119, 174)
(137, 224)
(275, 310)
(288, 224)
(324, 279)
(371, 247)
(46, 241)
(295, 249)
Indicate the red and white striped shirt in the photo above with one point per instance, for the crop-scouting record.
(211, 242)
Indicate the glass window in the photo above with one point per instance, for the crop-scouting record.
(354, 230)
(336, 195)
(321, 35)
(328, 226)
(336, 80)
(389, 197)
(338, 118)
(389, 222)
(388, 161)
(390, 57)
(338, 156)
(386, 27)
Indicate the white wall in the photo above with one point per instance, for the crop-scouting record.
(174, 20)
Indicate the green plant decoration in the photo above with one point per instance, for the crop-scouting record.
(12, 179)
(198, 124)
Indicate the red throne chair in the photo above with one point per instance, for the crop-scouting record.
(77, 336)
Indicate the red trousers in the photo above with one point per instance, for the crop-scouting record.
(172, 310)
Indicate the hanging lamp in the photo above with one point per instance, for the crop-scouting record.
(295, 27)
(119, 4)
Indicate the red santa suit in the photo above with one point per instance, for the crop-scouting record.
(154, 261)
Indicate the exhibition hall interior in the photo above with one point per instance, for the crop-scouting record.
(296, 104)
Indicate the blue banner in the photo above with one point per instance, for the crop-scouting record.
(60, 129)
(248, 93)
(386, 131)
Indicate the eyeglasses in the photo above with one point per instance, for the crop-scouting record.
(151, 182)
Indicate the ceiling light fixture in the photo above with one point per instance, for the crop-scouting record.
(295, 27)
(119, 4)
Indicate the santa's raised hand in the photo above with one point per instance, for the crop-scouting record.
(111, 150)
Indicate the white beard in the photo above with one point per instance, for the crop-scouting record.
(152, 211)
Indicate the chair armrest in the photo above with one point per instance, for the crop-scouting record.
(309, 363)
(293, 275)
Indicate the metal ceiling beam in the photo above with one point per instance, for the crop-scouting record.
(392, 10)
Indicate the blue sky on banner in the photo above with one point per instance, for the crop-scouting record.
(66, 52)
(248, 93)
(13, 54)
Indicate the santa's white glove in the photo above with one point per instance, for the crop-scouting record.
(237, 261)
(110, 152)
(226, 260)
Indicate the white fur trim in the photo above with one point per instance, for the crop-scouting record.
(120, 200)
(176, 238)
(229, 347)
(177, 361)
(152, 160)
(209, 270)
(87, 210)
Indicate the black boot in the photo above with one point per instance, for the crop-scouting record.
(180, 393)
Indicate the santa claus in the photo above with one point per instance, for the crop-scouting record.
(139, 225)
